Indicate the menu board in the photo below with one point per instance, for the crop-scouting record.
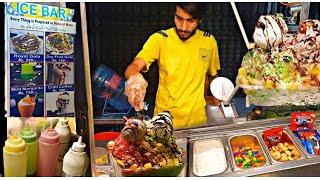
(39, 42)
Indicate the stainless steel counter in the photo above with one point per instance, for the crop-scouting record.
(304, 171)
(309, 166)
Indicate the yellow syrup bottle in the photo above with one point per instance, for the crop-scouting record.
(15, 157)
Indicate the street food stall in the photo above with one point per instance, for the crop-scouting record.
(267, 122)
(259, 144)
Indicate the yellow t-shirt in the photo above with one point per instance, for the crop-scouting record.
(182, 66)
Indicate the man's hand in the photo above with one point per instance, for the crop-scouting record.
(135, 89)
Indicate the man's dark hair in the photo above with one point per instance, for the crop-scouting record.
(196, 10)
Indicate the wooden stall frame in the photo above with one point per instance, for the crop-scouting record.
(86, 60)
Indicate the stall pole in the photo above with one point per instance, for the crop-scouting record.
(87, 74)
(243, 32)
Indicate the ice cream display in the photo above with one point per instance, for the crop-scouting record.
(209, 157)
(282, 69)
(269, 31)
(140, 151)
(162, 126)
(133, 130)
(247, 152)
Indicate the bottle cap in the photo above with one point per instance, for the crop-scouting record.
(49, 136)
(15, 144)
(28, 135)
(63, 123)
(78, 146)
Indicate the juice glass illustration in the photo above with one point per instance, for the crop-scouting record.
(27, 71)
(26, 106)
(60, 72)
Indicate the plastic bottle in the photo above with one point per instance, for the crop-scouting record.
(30, 138)
(32, 122)
(15, 157)
(76, 161)
(64, 132)
(49, 143)
(109, 84)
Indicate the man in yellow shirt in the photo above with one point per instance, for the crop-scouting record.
(187, 57)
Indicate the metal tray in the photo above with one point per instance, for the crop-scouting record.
(193, 141)
(290, 141)
(256, 142)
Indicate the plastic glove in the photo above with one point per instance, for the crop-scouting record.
(135, 89)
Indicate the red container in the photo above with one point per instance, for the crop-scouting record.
(106, 136)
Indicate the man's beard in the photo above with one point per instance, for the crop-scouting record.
(185, 38)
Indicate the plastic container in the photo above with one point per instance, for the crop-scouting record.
(49, 143)
(209, 151)
(282, 151)
(101, 139)
(247, 152)
(109, 85)
(76, 161)
(15, 157)
(30, 138)
(64, 132)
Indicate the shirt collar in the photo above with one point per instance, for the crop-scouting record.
(194, 37)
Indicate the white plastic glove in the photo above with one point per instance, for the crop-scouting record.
(135, 89)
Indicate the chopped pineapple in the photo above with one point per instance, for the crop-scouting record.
(169, 162)
(242, 72)
(147, 166)
(176, 161)
(291, 86)
(269, 84)
(101, 160)
(134, 167)
(159, 144)
(315, 70)
(163, 163)
(120, 163)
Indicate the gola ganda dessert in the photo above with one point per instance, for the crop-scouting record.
(26, 43)
(59, 43)
(282, 69)
(280, 61)
(147, 148)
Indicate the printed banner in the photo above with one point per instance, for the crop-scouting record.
(39, 60)
(39, 11)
